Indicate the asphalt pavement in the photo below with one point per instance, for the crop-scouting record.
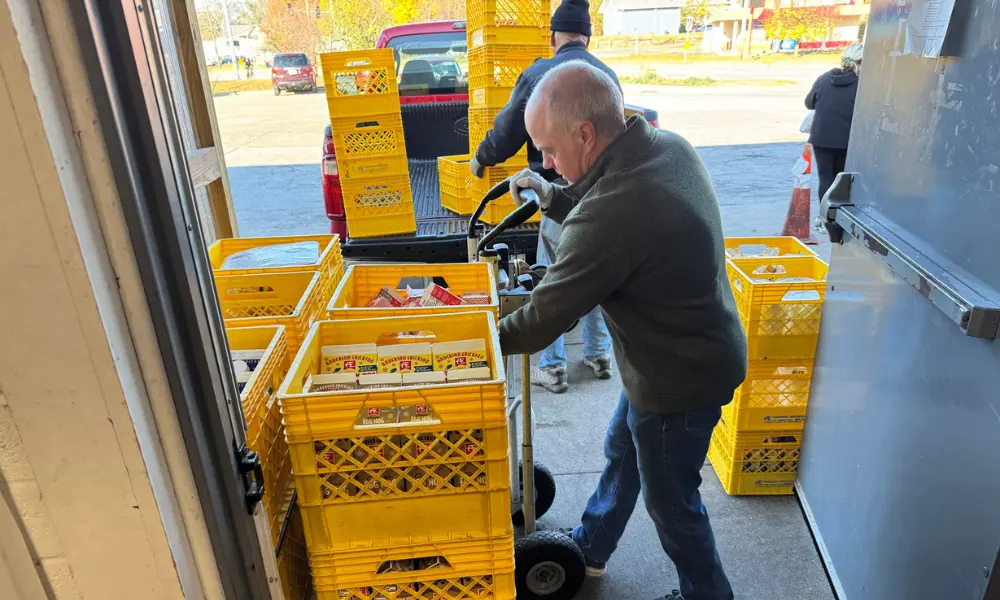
(748, 137)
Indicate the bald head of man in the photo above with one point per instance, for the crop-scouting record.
(573, 114)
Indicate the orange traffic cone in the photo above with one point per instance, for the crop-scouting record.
(797, 222)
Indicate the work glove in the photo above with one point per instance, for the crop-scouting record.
(528, 179)
(476, 168)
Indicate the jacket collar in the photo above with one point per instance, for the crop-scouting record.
(626, 149)
(568, 46)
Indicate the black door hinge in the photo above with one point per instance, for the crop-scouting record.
(253, 476)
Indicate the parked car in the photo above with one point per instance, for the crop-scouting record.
(292, 72)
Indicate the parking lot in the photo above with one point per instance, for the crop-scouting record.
(748, 136)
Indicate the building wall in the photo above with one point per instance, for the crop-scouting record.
(88, 508)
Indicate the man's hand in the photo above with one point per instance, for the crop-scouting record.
(528, 179)
(476, 168)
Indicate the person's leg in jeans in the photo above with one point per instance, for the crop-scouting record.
(671, 451)
(610, 507)
(550, 373)
(596, 344)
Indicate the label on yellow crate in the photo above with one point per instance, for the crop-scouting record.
(352, 358)
(406, 358)
(464, 354)
(418, 414)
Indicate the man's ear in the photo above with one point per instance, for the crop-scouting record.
(588, 135)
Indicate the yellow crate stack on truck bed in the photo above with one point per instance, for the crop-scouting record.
(363, 99)
(503, 38)
(779, 286)
(404, 489)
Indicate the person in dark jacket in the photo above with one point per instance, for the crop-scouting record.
(642, 239)
(570, 38)
(832, 97)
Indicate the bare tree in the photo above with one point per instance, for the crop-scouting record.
(210, 23)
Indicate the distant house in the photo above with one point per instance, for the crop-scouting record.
(630, 17)
(248, 41)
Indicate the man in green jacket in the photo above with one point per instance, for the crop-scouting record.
(642, 239)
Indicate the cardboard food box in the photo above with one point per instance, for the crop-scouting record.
(246, 360)
(406, 358)
(435, 295)
(351, 358)
(463, 354)
(476, 374)
(331, 382)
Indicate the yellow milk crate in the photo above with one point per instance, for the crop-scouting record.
(293, 560)
(379, 207)
(508, 13)
(457, 570)
(330, 264)
(441, 477)
(289, 299)
(265, 434)
(454, 179)
(360, 83)
(480, 121)
(755, 462)
(494, 70)
(362, 282)
(762, 247)
(774, 396)
(780, 301)
(504, 205)
(370, 146)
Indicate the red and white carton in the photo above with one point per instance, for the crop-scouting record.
(435, 295)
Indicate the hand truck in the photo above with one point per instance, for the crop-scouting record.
(549, 565)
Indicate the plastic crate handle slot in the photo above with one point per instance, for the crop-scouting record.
(801, 296)
(414, 565)
(359, 63)
(782, 439)
(246, 291)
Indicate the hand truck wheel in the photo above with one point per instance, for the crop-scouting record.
(545, 492)
(548, 566)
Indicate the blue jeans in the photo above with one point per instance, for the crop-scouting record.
(662, 456)
(596, 342)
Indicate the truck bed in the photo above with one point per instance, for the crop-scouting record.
(441, 234)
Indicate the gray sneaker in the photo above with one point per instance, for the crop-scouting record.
(552, 378)
(674, 595)
(600, 365)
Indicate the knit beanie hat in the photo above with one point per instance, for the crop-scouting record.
(572, 16)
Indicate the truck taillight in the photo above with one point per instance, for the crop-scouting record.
(330, 166)
(307, 69)
(328, 148)
(333, 195)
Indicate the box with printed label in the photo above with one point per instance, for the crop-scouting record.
(406, 358)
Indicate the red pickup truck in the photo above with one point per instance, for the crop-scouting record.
(434, 100)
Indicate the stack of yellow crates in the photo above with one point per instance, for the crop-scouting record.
(504, 38)
(269, 303)
(404, 491)
(779, 286)
(363, 99)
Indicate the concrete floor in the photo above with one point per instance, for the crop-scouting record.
(748, 137)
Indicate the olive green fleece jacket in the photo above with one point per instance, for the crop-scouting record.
(642, 238)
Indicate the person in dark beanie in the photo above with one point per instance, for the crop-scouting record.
(832, 97)
(570, 38)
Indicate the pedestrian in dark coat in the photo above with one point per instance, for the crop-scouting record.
(832, 97)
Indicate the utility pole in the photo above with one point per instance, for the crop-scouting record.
(227, 24)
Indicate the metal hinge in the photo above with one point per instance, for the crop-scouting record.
(253, 477)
